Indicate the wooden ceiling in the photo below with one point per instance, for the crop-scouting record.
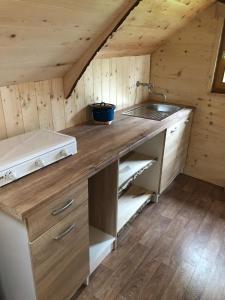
(41, 39)
(57, 38)
(150, 25)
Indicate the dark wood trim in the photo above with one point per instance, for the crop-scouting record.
(218, 84)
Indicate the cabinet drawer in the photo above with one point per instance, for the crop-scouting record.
(55, 209)
(60, 257)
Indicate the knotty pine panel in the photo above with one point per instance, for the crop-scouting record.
(32, 105)
(183, 69)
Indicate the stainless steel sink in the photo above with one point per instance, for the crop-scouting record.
(153, 111)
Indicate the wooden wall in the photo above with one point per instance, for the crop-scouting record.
(183, 69)
(33, 105)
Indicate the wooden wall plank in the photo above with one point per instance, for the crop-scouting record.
(43, 94)
(70, 110)
(97, 77)
(34, 105)
(120, 83)
(105, 79)
(12, 110)
(139, 68)
(28, 103)
(88, 90)
(126, 74)
(112, 80)
(3, 133)
(57, 104)
(132, 80)
(146, 75)
(80, 103)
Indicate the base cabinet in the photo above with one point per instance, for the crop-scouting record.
(51, 265)
(60, 256)
(52, 252)
(175, 151)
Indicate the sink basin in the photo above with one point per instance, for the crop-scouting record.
(153, 111)
(163, 107)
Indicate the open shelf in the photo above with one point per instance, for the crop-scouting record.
(101, 244)
(130, 202)
(133, 165)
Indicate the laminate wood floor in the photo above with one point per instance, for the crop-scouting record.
(174, 250)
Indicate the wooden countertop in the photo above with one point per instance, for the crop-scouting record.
(98, 146)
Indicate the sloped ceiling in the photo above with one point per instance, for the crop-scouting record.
(150, 25)
(41, 39)
(50, 38)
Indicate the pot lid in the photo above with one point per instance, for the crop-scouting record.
(102, 105)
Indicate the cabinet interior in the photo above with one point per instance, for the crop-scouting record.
(119, 192)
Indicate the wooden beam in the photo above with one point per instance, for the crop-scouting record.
(73, 75)
(220, 9)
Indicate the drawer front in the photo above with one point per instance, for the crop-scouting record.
(60, 257)
(55, 209)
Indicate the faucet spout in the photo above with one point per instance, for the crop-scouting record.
(151, 91)
(158, 94)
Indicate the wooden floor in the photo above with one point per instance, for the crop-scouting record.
(173, 250)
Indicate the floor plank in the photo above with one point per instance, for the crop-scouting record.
(174, 250)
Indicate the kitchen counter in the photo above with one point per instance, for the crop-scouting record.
(98, 146)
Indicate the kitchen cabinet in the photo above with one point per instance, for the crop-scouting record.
(60, 256)
(175, 151)
(57, 225)
(47, 256)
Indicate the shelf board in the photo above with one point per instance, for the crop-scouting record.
(130, 202)
(101, 244)
(132, 166)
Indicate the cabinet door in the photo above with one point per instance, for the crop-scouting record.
(175, 152)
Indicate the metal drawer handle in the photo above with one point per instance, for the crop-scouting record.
(61, 209)
(64, 233)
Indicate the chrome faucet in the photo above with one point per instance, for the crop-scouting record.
(150, 87)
